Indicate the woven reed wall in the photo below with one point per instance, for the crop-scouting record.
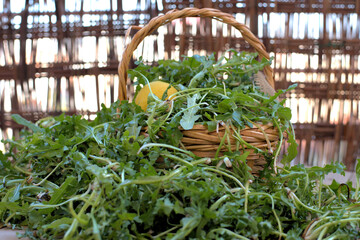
(62, 56)
(314, 43)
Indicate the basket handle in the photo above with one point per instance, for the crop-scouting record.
(161, 20)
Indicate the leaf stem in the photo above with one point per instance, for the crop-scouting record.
(279, 146)
(272, 208)
(176, 158)
(148, 145)
(322, 233)
(320, 190)
(9, 217)
(186, 92)
(226, 175)
(227, 231)
(221, 144)
(262, 130)
(164, 233)
(357, 186)
(297, 200)
(246, 195)
(216, 204)
(22, 170)
(148, 83)
(43, 180)
(70, 232)
(239, 138)
(318, 231)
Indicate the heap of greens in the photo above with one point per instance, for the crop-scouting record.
(212, 93)
(70, 178)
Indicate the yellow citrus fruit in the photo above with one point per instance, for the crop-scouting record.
(158, 88)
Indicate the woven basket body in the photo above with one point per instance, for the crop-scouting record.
(199, 140)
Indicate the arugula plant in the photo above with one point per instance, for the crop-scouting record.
(70, 178)
(213, 92)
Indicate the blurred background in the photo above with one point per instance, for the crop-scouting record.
(62, 56)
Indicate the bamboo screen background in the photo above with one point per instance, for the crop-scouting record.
(62, 56)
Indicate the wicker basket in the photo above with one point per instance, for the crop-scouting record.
(198, 139)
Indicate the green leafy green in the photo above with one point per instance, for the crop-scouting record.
(189, 118)
(22, 121)
(126, 174)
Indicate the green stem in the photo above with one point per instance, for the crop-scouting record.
(22, 170)
(96, 231)
(320, 190)
(201, 160)
(189, 91)
(201, 226)
(102, 159)
(272, 208)
(357, 187)
(227, 231)
(82, 221)
(246, 195)
(9, 217)
(262, 130)
(315, 222)
(164, 233)
(176, 158)
(148, 83)
(279, 145)
(58, 165)
(166, 146)
(70, 232)
(150, 179)
(329, 200)
(216, 204)
(297, 200)
(111, 163)
(337, 236)
(280, 234)
(226, 175)
(220, 145)
(242, 141)
(322, 234)
(318, 231)
(12, 182)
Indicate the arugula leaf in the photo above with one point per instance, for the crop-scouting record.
(284, 113)
(240, 97)
(13, 207)
(22, 121)
(66, 188)
(291, 151)
(279, 92)
(15, 193)
(59, 193)
(237, 116)
(4, 161)
(165, 205)
(189, 118)
(59, 223)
